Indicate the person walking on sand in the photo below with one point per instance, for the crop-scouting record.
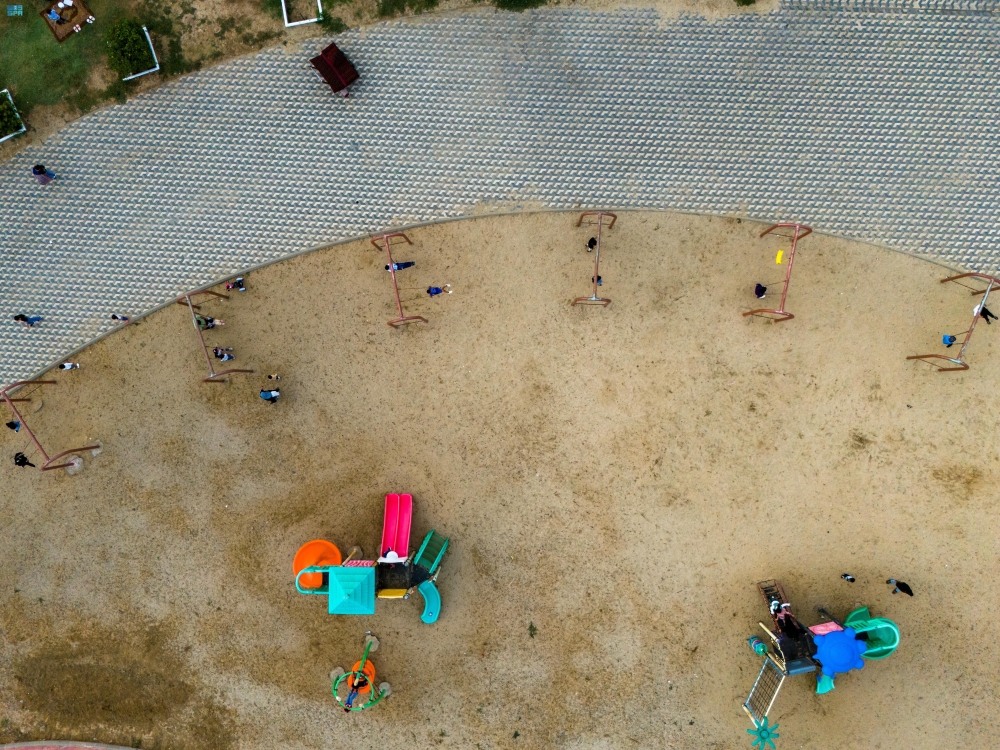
(69, 366)
(41, 174)
(848, 577)
(29, 321)
(948, 340)
(591, 244)
(236, 284)
(14, 425)
(600, 281)
(434, 291)
(401, 266)
(22, 460)
(271, 396)
(900, 587)
(759, 291)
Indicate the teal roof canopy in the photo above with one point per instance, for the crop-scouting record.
(352, 591)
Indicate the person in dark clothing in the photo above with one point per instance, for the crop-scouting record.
(759, 291)
(222, 352)
(848, 577)
(14, 425)
(22, 460)
(948, 340)
(900, 587)
(269, 395)
(986, 314)
(600, 281)
(434, 291)
(236, 284)
(40, 173)
(400, 266)
(591, 244)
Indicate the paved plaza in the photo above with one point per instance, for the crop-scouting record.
(868, 119)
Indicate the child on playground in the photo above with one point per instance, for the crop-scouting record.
(271, 396)
(433, 291)
(205, 322)
(401, 266)
(236, 284)
(222, 353)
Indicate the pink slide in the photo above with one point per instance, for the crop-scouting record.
(396, 528)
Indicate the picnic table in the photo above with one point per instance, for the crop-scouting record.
(66, 17)
(334, 68)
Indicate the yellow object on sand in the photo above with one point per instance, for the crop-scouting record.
(391, 593)
(777, 258)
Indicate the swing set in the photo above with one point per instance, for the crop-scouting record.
(592, 218)
(799, 231)
(213, 376)
(385, 243)
(49, 462)
(959, 362)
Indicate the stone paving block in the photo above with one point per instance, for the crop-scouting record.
(868, 119)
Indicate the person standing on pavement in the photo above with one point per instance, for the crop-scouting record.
(42, 175)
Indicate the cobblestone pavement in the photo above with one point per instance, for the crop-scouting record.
(874, 124)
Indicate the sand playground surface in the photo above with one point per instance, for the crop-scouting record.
(614, 482)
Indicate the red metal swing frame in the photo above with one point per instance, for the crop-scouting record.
(960, 364)
(386, 240)
(593, 299)
(49, 463)
(781, 314)
(213, 376)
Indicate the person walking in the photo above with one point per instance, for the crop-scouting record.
(223, 353)
(948, 340)
(401, 266)
(236, 284)
(591, 244)
(69, 366)
(271, 396)
(900, 587)
(29, 320)
(848, 577)
(14, 425)
(759, 291)
(119, 318)
(22, 460)
(434, 291)
(40, 173)
(600, 281)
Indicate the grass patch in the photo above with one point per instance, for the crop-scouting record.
(390, 8)
(520, 5)
(332, 24)
(744, 3)
(40, 71)
(9, 121)
(128, 50)
(273, 9)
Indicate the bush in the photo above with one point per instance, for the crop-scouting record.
(745, 2)
(128, 50)
(9, 121)
(332, 24)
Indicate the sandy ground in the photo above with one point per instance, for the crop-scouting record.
(614, 482)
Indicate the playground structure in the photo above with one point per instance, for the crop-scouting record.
(386, 244)
(829, 647)
(359, 681)
(959, 362)
(213, 375)
(595, 218)
(49, 463)
(799, 231)
(352, 586)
